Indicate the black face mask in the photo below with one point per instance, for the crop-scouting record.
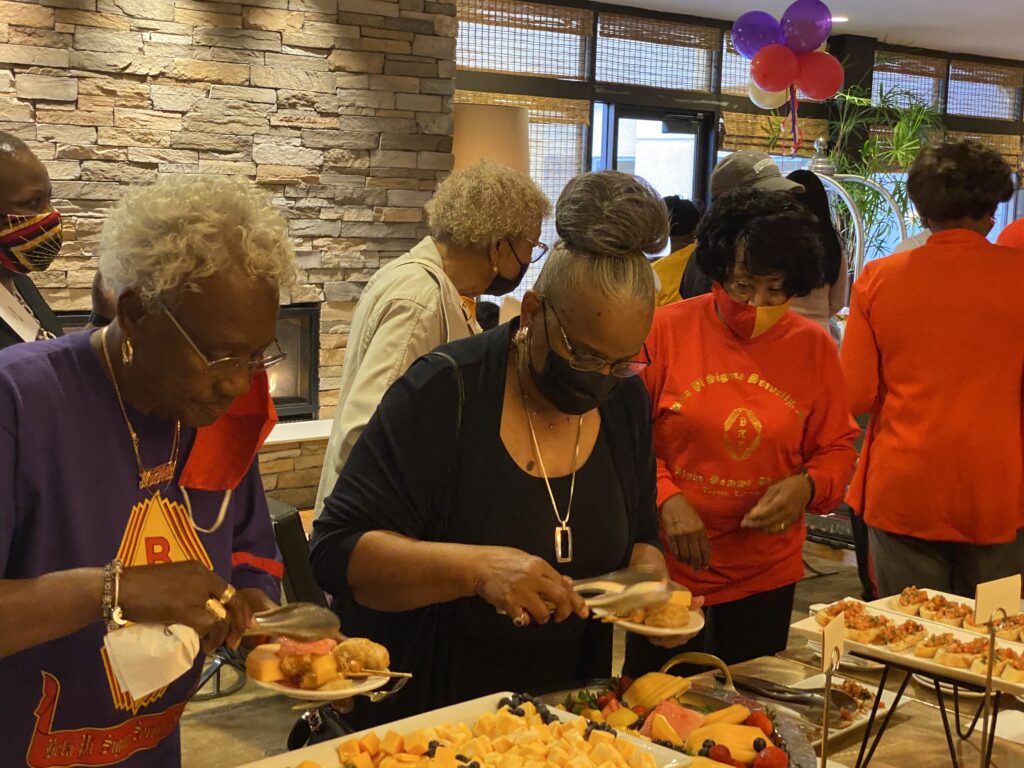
(571, 391)
(501, 285)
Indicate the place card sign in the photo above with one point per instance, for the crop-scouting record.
(993, 595)
(833, 637)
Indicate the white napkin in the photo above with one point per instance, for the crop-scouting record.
(146, 657)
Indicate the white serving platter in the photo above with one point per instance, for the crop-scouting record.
(859, 722)
(326, 754)
(811, 629)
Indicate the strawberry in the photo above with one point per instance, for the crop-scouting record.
(771, 757)
(720, 754)
(640, 710)
(760, 720)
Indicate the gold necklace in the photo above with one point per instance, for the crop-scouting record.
(563, 533)
(161, 473)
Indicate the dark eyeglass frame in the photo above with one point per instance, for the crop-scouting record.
(543, 247)
(232, 363)
(583, 361)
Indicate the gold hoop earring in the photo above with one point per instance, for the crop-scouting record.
(127, 351)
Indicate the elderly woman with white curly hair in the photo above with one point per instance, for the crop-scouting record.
(128, 488)
(484, 229)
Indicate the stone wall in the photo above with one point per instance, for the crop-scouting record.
(341, 110)
(291, 471)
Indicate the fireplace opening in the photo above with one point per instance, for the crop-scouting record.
(294, 382)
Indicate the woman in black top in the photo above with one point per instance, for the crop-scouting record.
(30, 239)
(453, 539)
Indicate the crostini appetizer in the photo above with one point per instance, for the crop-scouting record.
(932, 606)
(849, 607)
(865, 627)
(1003, 656)
(961, 655)
(1014, 669)
(904, 636)
(953, 614)
(910, 600)
(929, 646)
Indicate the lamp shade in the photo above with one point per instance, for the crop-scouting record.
(491, 132)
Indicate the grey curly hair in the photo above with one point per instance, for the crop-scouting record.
(163, 237)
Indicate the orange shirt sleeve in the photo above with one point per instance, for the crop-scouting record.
(859, 355)
(829, 435)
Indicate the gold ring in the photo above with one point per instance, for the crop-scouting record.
(216, 609)
(782, 527)
(521, 620)
(229, 592)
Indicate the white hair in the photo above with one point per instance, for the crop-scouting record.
(163, 237)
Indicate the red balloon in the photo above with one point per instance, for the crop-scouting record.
(774, 68)
(821, 75)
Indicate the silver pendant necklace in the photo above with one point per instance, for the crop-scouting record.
(563, 532)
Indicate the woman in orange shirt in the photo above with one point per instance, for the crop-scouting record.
(751, 425)
(934, 350)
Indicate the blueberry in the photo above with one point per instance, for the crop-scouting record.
(505, 702)
(474, 764)
(704, 752)
(519, 712)
(462, 758)
(759, 744)
(708, 743)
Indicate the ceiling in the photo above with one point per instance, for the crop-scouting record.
(985, 27)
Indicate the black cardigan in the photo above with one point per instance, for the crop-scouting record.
(403, 475)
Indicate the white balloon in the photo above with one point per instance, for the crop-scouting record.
(766, 99)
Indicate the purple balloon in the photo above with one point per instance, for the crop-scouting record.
(806, 24)
(753, 31)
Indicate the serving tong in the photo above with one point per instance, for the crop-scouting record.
(807, 702)
(298, 621)
(630, 588)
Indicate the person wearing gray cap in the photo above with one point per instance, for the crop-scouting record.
(743, 169)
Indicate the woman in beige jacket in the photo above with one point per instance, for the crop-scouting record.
(485, 225)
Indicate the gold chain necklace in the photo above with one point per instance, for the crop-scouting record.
(161, 473)
(563, 533)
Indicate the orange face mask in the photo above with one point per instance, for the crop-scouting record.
(746, 320)
(224, 451)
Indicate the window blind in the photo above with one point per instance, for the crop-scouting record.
(985, 90)
(920, 78)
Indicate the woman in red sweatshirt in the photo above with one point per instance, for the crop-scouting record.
(751, 426)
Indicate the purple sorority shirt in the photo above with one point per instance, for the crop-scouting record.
(69, 498)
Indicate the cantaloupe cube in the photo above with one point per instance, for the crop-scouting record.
(444, 757)
(370, 743)
(625, 748)
(359, 760)
(392, 743)
(579, 724)
(322, 670)
(528, 708)
(407, 759)
(602, 737)
(511, 761)
(350, 747)
(502, 744)
(308, 764)
(579, 762)
(484, 746)
(264, 665)
(416, 743)
(604, 752)
(445, 731)
(558, 756)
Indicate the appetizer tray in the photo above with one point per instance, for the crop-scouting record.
(811, 629)
(860, 718)
(326, 754)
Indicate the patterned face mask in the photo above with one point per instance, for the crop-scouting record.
(29, 243)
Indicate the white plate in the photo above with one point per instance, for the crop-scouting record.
(818, 681)
(367, 685)
(695, 624)
(326, 753)
(947, 689)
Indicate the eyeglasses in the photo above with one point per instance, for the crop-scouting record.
(583, 361)
(233, 363)
(540, 250)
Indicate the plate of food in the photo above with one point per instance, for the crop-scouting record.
(669, 619)
(324, 670)
(850, 721)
